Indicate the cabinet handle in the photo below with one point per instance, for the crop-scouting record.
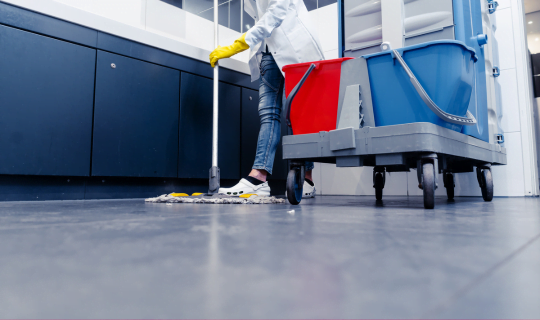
(496, 72)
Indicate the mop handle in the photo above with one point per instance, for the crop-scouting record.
(216, 92)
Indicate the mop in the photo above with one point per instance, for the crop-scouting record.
(215, 199)
(213, 196)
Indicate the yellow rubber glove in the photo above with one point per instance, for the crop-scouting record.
(226, 52)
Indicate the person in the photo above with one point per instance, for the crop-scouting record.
(283, 34)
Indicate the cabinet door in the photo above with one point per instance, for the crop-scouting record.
(250, 134)
(196, 103)
(46, 97)
(135, 119)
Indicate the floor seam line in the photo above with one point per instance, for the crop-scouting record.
(433, 313)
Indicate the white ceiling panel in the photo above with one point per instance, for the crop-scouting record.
(532, 6)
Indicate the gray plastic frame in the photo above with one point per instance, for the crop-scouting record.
(398, 148)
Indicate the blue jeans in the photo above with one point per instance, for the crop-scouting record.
(271, 98)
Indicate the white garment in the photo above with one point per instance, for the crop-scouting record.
(286, 28)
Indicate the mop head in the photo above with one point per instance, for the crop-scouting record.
(214, 199)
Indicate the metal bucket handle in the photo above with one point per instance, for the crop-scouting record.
(469, 120)
(293, 93)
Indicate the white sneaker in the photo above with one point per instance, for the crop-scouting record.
(308, 191)
(246, 187)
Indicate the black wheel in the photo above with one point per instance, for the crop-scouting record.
(295, 185)
(449, 184)
(428, 185)
(486, 185)
(379, 185)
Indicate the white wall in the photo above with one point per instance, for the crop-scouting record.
(532, 21)
(160, 18)
(151, 22)
(511, 15)
(126, 11)
(518, 178)
(325, 19)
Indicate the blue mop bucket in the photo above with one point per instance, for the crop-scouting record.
(431, 82)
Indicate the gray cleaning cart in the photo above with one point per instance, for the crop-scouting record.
(357, 141)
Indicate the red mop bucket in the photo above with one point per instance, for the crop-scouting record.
(315, 105)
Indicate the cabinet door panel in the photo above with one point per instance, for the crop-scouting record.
(136, 118)
(195, 155)
(46, 101)
(250, 128)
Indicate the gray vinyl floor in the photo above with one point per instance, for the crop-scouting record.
(335, 257)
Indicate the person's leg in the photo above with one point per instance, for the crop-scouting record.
(270, 104)
(309, 187)
(271, 94)
(309, 170)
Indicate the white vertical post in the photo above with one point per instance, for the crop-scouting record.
(216, 91)
(241, 16)
(214, 182)
(393, 17)
(525, 103)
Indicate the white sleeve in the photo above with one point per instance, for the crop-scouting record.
(271, 19)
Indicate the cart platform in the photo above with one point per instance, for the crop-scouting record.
(395, 147)
(426, 147)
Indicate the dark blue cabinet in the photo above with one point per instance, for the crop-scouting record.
(135, 118)
(196, 102)
(46, 97)
(250, 135)
(250, 128)
(32, 21)
(80, 105)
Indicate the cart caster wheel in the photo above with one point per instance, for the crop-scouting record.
(379, 180)
(428, 185)
(295, 185)
(379, 185)
(486, 183)
(449, 184)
